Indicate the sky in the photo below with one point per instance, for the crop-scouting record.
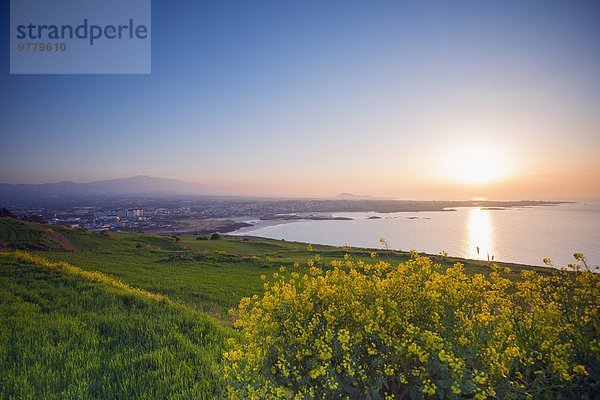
(404, 99)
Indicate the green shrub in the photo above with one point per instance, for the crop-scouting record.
(361, 330)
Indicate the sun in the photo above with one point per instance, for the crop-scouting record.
(476, 164)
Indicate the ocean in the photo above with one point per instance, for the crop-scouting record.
(521, 235)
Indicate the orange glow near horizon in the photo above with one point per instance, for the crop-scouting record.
(476, 164)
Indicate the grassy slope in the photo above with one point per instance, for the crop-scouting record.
(67, 337)
(26, 236)
(206, 275)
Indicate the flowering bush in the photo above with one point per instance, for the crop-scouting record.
(370, 330)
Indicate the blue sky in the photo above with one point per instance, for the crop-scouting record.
(318, 97)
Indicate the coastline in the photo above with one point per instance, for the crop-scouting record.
(522, 235)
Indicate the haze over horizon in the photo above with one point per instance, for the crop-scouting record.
(415, 100)
(143, 184)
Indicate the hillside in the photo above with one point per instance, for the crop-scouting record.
(21, 235)
(127, 315)
(69, 334)
(140, 185)
(206, 275)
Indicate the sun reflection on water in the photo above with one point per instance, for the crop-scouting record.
(480, 234)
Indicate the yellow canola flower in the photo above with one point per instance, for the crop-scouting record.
(335, 331)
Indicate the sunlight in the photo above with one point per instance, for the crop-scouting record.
(480, 235)
(477, 164)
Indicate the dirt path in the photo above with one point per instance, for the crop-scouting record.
(63, 241)
(57, 237)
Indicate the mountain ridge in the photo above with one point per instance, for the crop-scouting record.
(129, 186)
(351, 196)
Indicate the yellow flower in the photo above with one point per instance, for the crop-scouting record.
(581, 370)
(406, 322)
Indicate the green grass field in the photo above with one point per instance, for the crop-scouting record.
(66, 336)
(27, 236)
(206, 275)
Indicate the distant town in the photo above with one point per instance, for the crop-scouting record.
(197, 215)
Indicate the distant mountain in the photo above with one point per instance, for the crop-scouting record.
(350, 196)
(143, 184)
(140, 185)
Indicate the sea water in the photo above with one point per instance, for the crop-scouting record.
(519, 235)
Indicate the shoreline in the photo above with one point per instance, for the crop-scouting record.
(503, 235)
